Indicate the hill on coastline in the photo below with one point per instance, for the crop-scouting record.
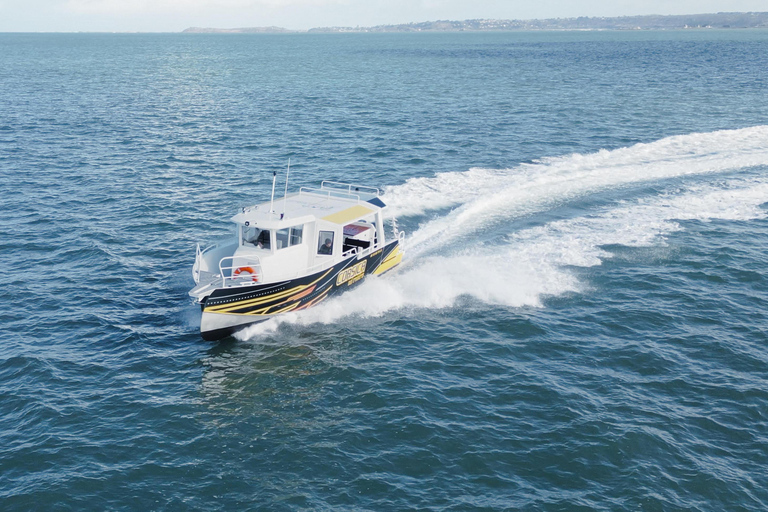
(647, 22)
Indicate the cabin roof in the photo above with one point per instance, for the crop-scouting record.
(308, 205)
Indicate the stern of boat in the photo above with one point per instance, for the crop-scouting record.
(393, 255)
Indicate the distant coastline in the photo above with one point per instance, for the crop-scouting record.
(721, 20)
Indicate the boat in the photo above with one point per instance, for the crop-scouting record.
(316, 243)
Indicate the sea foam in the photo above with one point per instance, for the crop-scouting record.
(483, 196)
(530, 264)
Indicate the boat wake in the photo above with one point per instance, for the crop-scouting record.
(473, 250)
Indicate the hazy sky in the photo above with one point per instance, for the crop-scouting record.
(176, 15)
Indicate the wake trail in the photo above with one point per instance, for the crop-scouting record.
(530, 264)
(483, 197)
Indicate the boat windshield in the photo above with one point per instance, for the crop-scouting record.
(256, 237)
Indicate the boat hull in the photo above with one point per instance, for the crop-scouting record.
(227, 310)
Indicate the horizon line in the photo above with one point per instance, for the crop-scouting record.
(275, 30)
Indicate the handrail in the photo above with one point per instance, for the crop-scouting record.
(350, 252)
(230, 276)
(358, 188)
(342, 190)
(329, 193)
(199, 254)
(196, 266)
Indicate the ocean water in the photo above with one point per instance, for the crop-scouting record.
(579, 322)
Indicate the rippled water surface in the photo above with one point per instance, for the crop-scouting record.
(579, 323)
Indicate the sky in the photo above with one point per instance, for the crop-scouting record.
(176, 15)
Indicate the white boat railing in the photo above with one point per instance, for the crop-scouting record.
(197, 272)
(336, 185)
(342, 190)
(240, 271)
(350, 252)
(196, 266)
(329, 193)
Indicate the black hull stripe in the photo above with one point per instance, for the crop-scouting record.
(254, 302)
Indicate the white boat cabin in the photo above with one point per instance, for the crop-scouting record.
(294, 236)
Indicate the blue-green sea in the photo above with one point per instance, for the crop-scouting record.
(579, 322)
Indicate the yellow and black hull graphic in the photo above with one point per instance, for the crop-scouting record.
(228, 309)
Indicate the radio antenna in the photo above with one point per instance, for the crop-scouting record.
(272, 201)
(285, 196)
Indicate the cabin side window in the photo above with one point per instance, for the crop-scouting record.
(256, 237)
(296, 235)
(325, 242)
(281, 238)
(288, 237)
